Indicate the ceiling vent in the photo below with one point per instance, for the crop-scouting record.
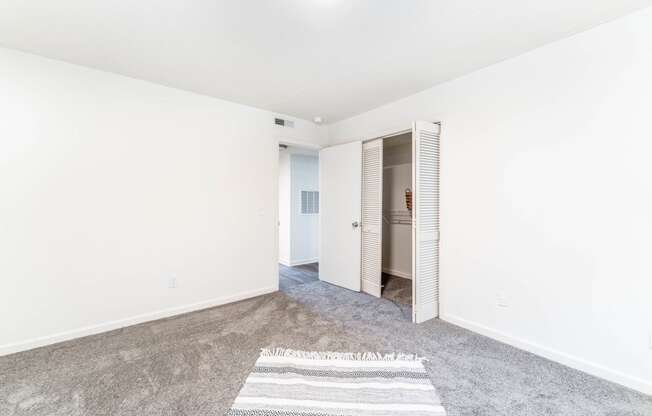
(283, 123)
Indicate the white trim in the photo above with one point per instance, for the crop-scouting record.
(299, 144)
(285, 262)
(121, 323)
(397, 273)
(306, 261)
(554, 355)
(389, 135)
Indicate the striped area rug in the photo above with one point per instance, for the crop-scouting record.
(299, 383)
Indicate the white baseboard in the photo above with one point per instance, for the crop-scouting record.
(121, 323)
(397, 273)
(285, 262)
(306, 261)
(554, 355)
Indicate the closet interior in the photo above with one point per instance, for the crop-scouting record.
(397, 200)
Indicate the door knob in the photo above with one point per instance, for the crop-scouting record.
(355, 224)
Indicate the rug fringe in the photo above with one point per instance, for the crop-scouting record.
(333, 355)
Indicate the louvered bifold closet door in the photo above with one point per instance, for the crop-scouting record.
(372, 216)
(425, 255)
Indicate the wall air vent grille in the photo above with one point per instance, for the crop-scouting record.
(310, 202)
(283, 123)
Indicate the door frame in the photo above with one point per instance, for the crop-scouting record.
(277, 214)
(388, 135)
(391, 133)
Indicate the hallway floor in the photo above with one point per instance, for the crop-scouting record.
(195, 364)
(297, 275)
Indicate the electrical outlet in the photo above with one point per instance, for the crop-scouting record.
(649, 339)
(172, 282)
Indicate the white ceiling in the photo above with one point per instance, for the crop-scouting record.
(332, 58)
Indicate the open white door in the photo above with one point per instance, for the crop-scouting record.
(372, 216)
(425, 221)
(340, 170)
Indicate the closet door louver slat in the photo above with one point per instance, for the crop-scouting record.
(425, 296)
(372, 210)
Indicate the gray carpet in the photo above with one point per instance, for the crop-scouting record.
(195, 364)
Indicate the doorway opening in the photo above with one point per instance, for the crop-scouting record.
(397, 219)
(400, 218)
(298, 218)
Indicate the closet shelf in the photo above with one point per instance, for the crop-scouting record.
(398, 217)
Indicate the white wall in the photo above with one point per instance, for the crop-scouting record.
(305, 227)
(284, 208)
(110, 186)
(546, 197)
(397, 237)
